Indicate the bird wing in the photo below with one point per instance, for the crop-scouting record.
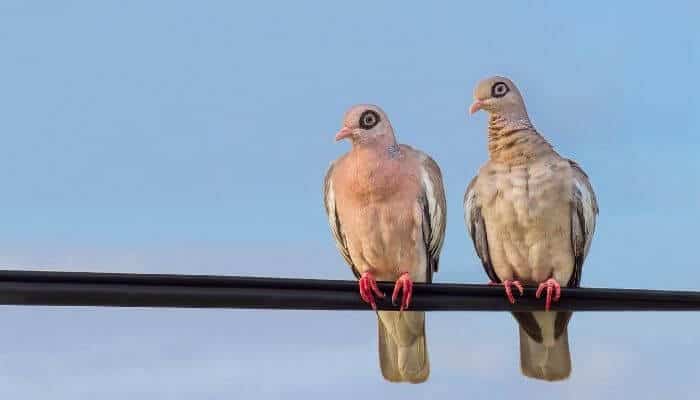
(584, 210)
(333, 219)
(434, 207)
(477, 228)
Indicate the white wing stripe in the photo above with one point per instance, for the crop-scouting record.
(589, 211)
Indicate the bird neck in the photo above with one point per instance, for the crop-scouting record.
(513, 139)
(375, 165)
(383, 145)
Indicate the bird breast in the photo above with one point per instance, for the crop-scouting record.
(527, 215)
(380, 207)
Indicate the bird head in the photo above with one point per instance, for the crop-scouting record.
(365, 123)
(498, 95)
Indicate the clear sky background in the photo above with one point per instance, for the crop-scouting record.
(193, 137)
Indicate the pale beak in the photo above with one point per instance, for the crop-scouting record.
(343, 133)
(476, 106)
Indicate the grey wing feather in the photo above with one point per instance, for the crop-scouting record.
(584, 211)
(334, 220)
(477, 228)
(434, 211)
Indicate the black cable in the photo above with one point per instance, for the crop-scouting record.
(39, 288)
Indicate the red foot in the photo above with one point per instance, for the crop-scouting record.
(368, 285)
(550, 284)
(509, 292)
(404, 282)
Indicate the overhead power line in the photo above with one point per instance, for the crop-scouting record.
(41, 288)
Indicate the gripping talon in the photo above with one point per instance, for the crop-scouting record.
(519, 286)
(405, 284)
(368, 289)
(552, 286)
(395, 294)
(509, 292)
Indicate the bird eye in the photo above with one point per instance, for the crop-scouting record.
(499, 89)
(369, 119)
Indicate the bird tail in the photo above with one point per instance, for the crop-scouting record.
(546, 361)
(403, 349)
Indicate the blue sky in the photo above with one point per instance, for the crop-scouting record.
(173, 136)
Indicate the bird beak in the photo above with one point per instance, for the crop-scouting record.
(476, 106)
(343, 133)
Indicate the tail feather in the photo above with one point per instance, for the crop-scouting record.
(403, 348)
(546, 361)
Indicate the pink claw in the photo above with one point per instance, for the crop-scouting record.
(368, 285)
(551, 284)
(507, 286)
(509, 292)
(406, 284)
